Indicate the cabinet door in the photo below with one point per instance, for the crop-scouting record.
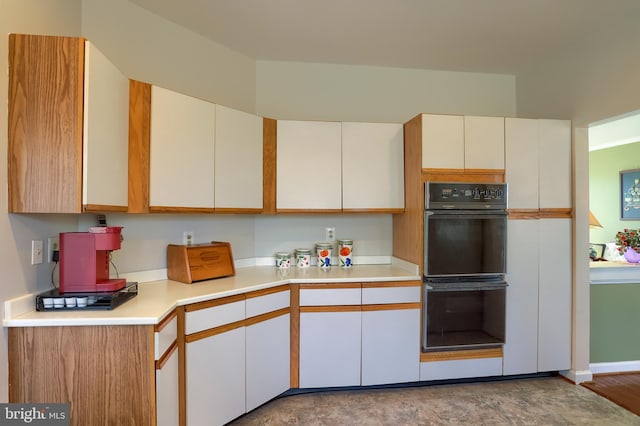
(555, 163)
(238, 160)
(309, 170)
(44, 125)
(442, 141)
(367, 147)
(167, 392)
(390, 346)
(554, 303)
(106, 133)
(268, 360)
(521, 322)
(521, 162)
(330, 349)
(483, 142)
(215, 381)
(182, 151)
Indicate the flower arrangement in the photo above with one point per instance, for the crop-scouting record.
(628, 238)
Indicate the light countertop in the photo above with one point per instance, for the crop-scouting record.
(614, 272)
(156, 299)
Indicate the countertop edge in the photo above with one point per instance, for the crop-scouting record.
(258, 278)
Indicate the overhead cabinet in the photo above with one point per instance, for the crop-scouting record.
(372, 166)
(462, 142)
(182, 151)
(68, 127)
(538, 163)
(203, 157)
(238, 161)
(326, 167)
(309, 171)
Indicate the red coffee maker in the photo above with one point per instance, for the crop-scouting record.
(84, 260)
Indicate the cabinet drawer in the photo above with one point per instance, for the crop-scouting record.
(384, 295)
(215, 316)
(259, 305)
(166, 333)
(330, 296)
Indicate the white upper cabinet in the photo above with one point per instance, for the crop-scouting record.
(182, 151)
(238, 159)
(521, 162)
(462, 142)
(483, 142)
(442, 141)
(538, 163)
(309, 169)
(555, 163)
(105, 133)
(372, 166)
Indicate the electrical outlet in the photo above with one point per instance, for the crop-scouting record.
(187, 238)
(330, 234)
(53, 244)
(36, 252)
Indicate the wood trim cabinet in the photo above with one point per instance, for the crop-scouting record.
(104, 372)
(67, 127)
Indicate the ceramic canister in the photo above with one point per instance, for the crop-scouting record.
(303, 258)
(345, 253)
(283, 260)
(323, 254)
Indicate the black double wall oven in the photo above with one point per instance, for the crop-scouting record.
(465, 237)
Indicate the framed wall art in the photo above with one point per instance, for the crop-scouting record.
(630, 194)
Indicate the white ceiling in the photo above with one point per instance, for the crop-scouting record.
(495, 36)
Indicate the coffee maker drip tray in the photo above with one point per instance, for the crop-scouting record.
(53, 300)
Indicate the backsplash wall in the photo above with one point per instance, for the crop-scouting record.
(146, 236)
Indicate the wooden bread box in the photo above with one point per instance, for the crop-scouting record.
(198, 262)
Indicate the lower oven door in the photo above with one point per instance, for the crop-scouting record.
(463, 316)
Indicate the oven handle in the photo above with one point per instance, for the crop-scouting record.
(466, 214)
(466, 286)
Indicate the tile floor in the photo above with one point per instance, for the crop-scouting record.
(534, 401)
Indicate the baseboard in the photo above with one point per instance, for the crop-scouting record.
(614, 367)
(577, 376)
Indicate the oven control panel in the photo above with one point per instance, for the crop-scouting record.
(464, 195)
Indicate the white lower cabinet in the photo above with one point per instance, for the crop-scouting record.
(352, 335)
(167, 371)
(390, 346)
(330, 349)
(521, 316)
(237, 354)
(215, 380)
(167, 392)
(267, 360)
(554, 295)
(538, 317)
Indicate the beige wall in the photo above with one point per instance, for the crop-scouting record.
(307, 91)
(152, 49)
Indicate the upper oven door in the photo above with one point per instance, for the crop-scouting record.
(460, 243)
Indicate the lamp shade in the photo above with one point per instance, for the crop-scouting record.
(593, 222)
